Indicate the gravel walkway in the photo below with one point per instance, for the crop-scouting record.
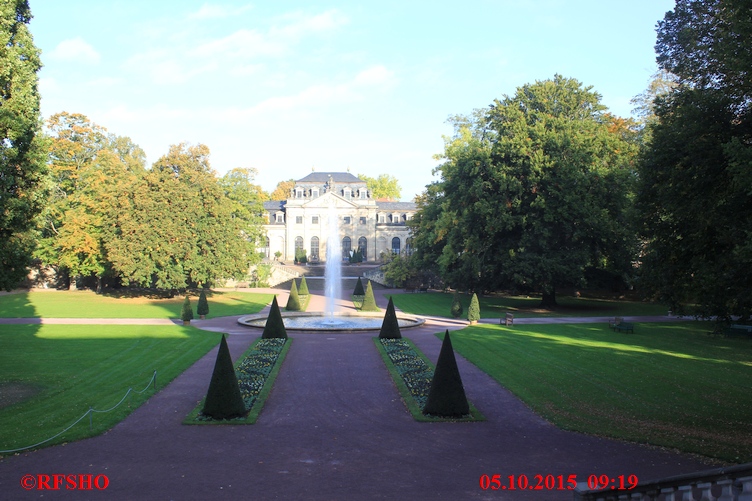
(333, 428)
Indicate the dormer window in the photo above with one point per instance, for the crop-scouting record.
(280, 217)
(314, 192)
(298, 192)
(347, 193)
(363, 193)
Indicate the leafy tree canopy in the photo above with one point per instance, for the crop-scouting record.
(533, 195)
(22, 149)
(695, 198)
(382, 187)
(282, 191)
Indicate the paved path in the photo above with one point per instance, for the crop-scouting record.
(333, 428)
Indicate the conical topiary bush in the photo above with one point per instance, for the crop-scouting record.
(223, 400)
(275, 326)
(369, 302)
(390, 327)
(473, 311)
(446, 397)
(186, 315)
(456, 309)
(303, 291)
(359, 291)
(293, 302)
(203, 305)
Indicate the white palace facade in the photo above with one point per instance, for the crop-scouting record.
(302, 222)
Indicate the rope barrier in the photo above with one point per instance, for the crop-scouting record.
(89, 413)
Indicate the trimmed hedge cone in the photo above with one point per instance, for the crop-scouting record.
(293, 302)
(456, 309)
(303, 291)
(186, 315)
(473, 312)
(390, 327)
(369, 301)
(446, 398)
(359, 291)
(275, 326)
(203, 305)
(223, 400)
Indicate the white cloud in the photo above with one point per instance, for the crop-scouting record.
(75, 50)
(303, 25)
(376, 76)
(242, 43)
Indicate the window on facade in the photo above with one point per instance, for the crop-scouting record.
(382, 218)
(347, 193)
(280, 217)
(346, 247)
(362, 246)
(315, 220)
(363, 194)
(315, 248)
(346, 219)
(396, 245)
(298, 192)
(362, 220)
(314, 192)
(409, 246)
(298, 219)
(298, 245)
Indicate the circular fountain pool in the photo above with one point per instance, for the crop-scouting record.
(344, 322)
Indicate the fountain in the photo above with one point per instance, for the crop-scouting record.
(331, 319)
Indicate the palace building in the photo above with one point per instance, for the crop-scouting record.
(303, 221)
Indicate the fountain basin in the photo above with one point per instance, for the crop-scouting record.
(339, 321)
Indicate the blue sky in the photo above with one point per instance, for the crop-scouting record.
(286, 87)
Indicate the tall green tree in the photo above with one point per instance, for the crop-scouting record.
(534, 195)
(88, 169)
(176, 227)
(247, 207)
(282, 191)
(22, 149)
(695, 198)
(382, 187)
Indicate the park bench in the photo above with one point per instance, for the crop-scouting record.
(508, 319)
(619, 325)
(738, 330)
(423, 289)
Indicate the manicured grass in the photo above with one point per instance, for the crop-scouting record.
(86, 304)
(412, 374)
(438, 304)
(256, 375)
(667, 384)
(68, 368)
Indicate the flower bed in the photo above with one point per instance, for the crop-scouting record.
(412, 373)
(256, 372)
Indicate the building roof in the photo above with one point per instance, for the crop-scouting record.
(323, 177)
(396, 205)
(275, 205)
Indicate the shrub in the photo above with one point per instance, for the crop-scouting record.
(456, 309)
(223, 400)
(359, 288)
(390, 327)
(446, 397)
(187, 314)
(473, 311)
(203, 305)
(275, 326)
(293, 302)
(303, 291)
(369, 302)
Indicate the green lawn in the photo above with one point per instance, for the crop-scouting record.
(86, 304)
(667, 384)
(438, 304)
(64, 369)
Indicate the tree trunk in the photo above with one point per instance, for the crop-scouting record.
(99, 285)
(548, 301)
